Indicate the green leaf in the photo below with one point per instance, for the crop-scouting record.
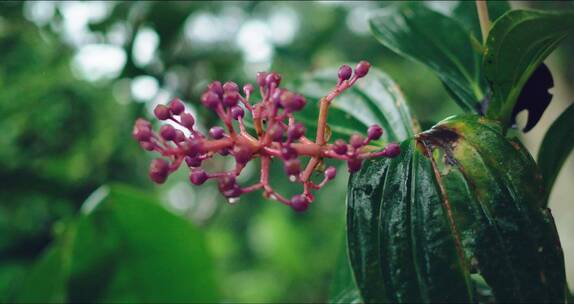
(437, 41)
(517, 44)
(465, 12)
(343, 286)
(556, 146)
(375, 99)
(456, 216)
(126, 247)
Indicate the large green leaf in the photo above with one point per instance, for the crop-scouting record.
(375, 99)
(455, 217)
(556, 146)
(517, 44)
(439, 42)
(124, 247)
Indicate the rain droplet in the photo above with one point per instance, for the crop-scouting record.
(233, 200)
(273, 196)
(292, 178)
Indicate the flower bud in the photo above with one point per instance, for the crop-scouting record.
(237, 112)
(293, 166)
(242, 154)
(362, 68)
(299, 203)
(392, 150)
(158, 170)
(295, 131)
(187, 120)
(198, 177)
(330, 173)
(161, 112)
(167, 132)
(193, 161)
(260, 79)
(354, 164)
(216, 132)
(374, 132)
(356, 141)
(230, 87)
(288, 153)
(277, 95)
(176, 106)
(292, 102)
(230, 99)
(345, 72)
(142, 123)
(216, 88)
(210, 100)
(192, 147)
(340, 147)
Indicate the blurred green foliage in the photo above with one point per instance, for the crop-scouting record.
(63, 137)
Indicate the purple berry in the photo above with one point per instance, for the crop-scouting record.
(227, 182)
(158, 170)
(345, 72)
(374, 132)
(198, 177)
(187, 120)
(191, 148)
(340, 147)
(193, 161)
(292, 102)
(293, 166)
(362, 68)
(176, 106)
(330, 173)
(210, 99)
(288, 153)
(230, 99)
(354, 164)
(167, 132)
(141, 133)
(237, 112)
(392, 150)
(179, 136)
(235, 191)
(216, 132)
(242, 154)
(278, 95)
(299, 203)
(356, 141)
(248, 89)
(276, 133)
(230, 86)
(142, 123)
(161, 112)
(216, 88)
(148, 146)
(273, 79)
(295, 131)
(260, 79)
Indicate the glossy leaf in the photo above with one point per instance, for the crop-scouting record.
(126, 248)
(439, 42)
(375, 99)
(556, 146)
(517, 44)
(457, 216)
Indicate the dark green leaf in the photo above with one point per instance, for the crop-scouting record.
(556, 146)
(456, 217)
(465, 12)
(124, 247)
(439, 42)
(517, 44)
(375, 99)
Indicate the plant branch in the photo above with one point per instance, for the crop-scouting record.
(482, 9)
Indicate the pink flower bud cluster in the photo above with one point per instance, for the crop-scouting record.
(278, 136)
